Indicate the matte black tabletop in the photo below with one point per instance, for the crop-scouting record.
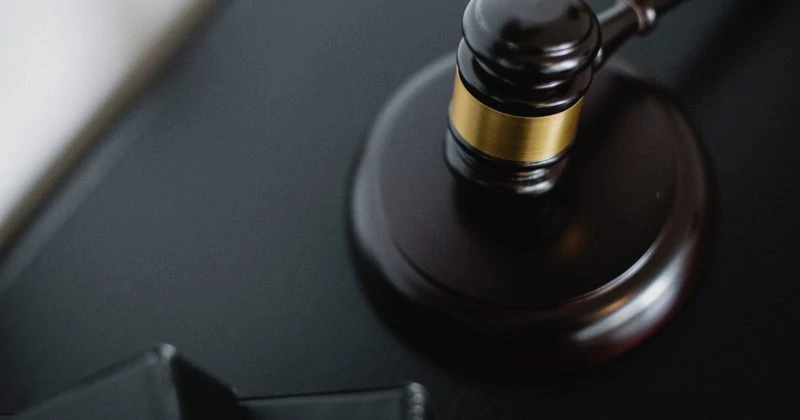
(213, 216)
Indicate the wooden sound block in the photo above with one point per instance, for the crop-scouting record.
(561, 281)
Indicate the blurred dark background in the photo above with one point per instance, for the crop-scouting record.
(212, 215)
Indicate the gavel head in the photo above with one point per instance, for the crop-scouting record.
(524, 67)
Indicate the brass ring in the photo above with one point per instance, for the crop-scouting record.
(509, 137)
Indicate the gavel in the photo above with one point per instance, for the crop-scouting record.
(548, 210)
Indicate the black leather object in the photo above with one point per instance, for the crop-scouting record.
(161, 385)
(155, 385)
(406, 402)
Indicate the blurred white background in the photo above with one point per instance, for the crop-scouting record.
(65, 67)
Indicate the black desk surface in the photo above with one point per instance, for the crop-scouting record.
(213, 216)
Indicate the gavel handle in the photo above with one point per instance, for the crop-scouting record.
(662, 6)
(627, 18)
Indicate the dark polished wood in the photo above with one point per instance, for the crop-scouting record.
(553, 282)
(528, 57)
(627, 18)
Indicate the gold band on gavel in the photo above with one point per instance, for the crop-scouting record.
(509, 137)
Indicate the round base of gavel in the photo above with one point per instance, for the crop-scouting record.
(553, 282)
